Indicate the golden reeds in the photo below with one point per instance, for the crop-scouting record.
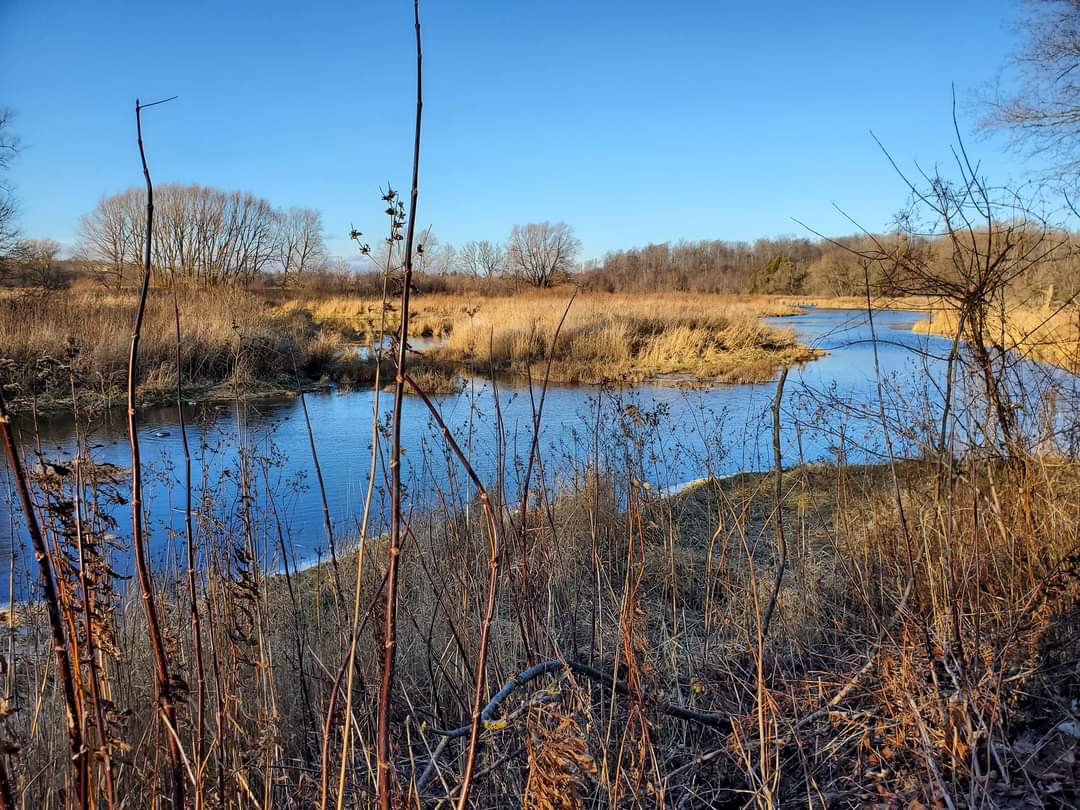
(1049, 334)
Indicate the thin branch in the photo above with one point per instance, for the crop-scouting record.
(146, 586)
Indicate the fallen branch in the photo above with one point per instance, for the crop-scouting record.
(717, 722)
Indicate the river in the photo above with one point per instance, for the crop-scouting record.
(664, 433)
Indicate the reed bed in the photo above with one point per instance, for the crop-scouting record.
(1050, 334)
(879, 301)
(626, 337)
(231, 338)
(237, 341)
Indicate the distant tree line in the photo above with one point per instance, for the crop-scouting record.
(540, 254)
(796, 266)
(209, 237)
(789, 265)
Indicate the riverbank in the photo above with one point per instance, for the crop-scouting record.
(1049, 334)
(916, 303)
(241, 344)
(843, 672)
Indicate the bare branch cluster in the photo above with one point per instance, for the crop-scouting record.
(203, 235)
(1042, 111)
(9, 147)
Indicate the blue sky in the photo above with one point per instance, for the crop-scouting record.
(635, 122)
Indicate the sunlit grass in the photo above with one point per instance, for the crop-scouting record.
(229, 336)
(1049, 335)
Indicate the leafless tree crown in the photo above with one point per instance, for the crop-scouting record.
(9, 146)
(204, 235)
(1043, 110)
(542, 252)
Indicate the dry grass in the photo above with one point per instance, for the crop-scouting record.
(359, 317)
(629, 337)
(625, 337)
(229, 337)
(233, 339)
(860, 695)
(1049, 335)
(914, 302)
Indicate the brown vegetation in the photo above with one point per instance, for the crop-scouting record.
(1051, 335)
(922, 649)
(627, 337)
(231, 338)
(235, 339)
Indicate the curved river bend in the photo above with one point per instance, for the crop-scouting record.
(663, 433)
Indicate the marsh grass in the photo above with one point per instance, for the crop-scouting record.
(626, 337)
(237, 340)
(1049, 334)
(901, 668)
(917, 303)
(232, 338)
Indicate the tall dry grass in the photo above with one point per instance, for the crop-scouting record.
(626, 337)
(606, 337)
(230, 337)
(237, 339)
(879, 301)
(1049, 334)
(913, 660)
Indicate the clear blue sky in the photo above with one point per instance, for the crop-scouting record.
(633, 121)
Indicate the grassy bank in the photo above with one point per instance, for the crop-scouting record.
(236, 341)
(842, 693)
(627, 337)
(1051, 335)
(912, 302)
(230, 338)
(605, 336)
(911, 655)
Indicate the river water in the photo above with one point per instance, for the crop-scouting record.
(664, 433)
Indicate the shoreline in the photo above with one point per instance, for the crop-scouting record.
(448, 376)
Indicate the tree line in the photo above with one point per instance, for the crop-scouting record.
(203, 235)
(818, 267)
(541, 254)
(210, 237)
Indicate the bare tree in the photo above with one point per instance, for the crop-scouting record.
(482, 259)
(542, 252)
(35, 261)
(435, 257)
(203, 235)
(111, 236)
(970, 245)
(301, 247)
(1043, 113)
(9, 146)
